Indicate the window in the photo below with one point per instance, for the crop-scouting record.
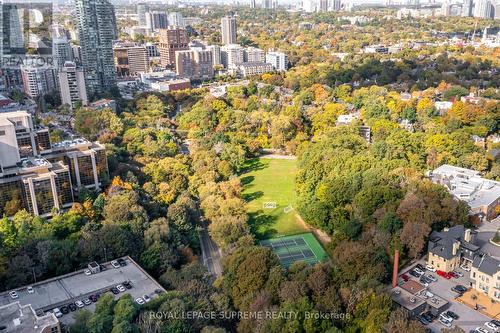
(2, 132)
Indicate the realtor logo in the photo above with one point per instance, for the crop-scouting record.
(26, 33)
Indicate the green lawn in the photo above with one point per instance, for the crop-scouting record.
(271, 180)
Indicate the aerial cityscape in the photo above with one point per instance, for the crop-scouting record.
(250, 166)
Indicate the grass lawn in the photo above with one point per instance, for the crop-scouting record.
(271, 181)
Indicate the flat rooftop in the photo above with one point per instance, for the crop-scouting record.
(406, 299)
(22, 319)
(75, 286)
(467, 185)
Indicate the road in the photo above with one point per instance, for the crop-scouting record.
(210, 252)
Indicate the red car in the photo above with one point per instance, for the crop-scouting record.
(446, 275)
(405, 277)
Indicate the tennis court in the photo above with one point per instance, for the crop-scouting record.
(289, 249)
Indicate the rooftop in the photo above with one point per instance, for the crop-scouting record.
(406, 299)
(22, 319)
(74, 286)
(486, 264)
(467, 185)
(441, 242)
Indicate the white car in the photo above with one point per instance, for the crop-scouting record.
(30, 290)
(418, 271)
(87, 272)
(459, 274)
(79, 304)
(57, 313)
(146, 298)
(139, 301)
(491, 326)
(446, 317)
(481, 330)
(429, 294)
(430, 268)
(120, 288)
(115, 264)
(13, 294)
(444, 322)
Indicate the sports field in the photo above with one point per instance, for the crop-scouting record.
(269, 190)
(289, 249)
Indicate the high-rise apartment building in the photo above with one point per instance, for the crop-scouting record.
(336, 5)
(195, 64)
(156, 20)
(130, 59)
(72, 85)
(253, 4)
(228, 30)
(323, 5)
(216, 55)
(232, 55)
(253, 54)
(279, 60)
(142, 10)
(171, 40)
(97, 29)
(175, 19)
(484, 9)
(39, 176)
(62, 51)
(38, 81)
(267, 4)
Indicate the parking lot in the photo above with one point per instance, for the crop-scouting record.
(468, 319)
(77, 286)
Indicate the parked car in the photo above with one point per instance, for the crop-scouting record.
(115, 291)
(122, 262)
(413, 273)
(418, 271)
(431, 277)
(120, 288)
(57, 313)
(146, 298)
(422, 320)
(430, 268)
(425, 279)
(87, 272)
(13, 294)
(452, 314)
(481, 330)
(139, 301)
(459, 289)
(445, 317)
(115, 264)
(441, 273)
(428, 316)
(428, 294)
(94, 298)
(30, 290)
(419, 266)
(444, 322)
(459, 274)
(405, 277)
(72, 307)
(491, 326)
(64, 309)
(79, 304)
(127, 285)
(86, 301)
(496, 322)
